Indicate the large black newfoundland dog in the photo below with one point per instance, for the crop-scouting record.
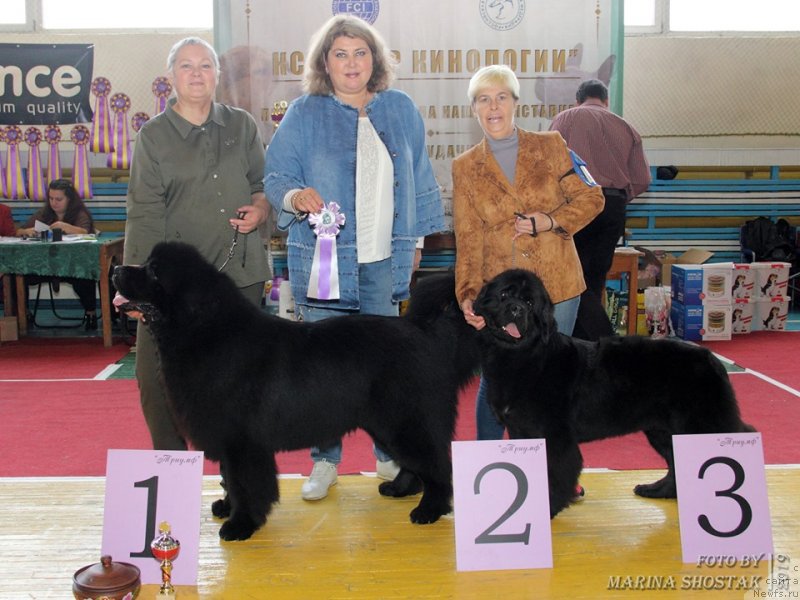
(244, 385)
(543, 384)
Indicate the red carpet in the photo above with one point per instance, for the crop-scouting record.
(773, 353)
(57, 358)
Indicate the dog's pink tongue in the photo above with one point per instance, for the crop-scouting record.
(511, 329)
(119, 300)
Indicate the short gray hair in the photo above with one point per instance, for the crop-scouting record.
(493, 75)
(315, 78)
(191, 41)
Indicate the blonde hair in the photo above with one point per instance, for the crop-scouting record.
(315, 77)
(500, 75)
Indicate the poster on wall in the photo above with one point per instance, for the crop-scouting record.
(45, 84)
(551, 46)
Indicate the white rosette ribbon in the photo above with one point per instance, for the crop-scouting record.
(324, 281)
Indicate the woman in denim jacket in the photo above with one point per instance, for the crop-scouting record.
(353, 141)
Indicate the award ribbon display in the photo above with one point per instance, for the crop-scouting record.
(2, 166)
(162, 88)
(37, 190)
(138, 119)
(120, 156)
(15, 182)
(81, 176)
(324, 282)
(101, 123)
(52, 135)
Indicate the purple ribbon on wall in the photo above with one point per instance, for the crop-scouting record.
(324, 281)
(2, 166)
(81, 175)
(15, 182)
(52, 135)
(37, 190)
(119, 157)
(162, 88)
(101, 123)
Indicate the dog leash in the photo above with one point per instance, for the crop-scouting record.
(234, 242)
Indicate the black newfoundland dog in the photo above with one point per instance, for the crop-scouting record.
(244, 385)
(543, 384)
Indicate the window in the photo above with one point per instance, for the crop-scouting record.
(734, 15)
(142, 14)
(15, 16)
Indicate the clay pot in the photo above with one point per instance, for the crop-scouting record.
(106, 580)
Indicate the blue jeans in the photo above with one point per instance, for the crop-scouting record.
(487, 425)
(375, 296)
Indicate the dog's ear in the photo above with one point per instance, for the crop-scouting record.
(543, 313)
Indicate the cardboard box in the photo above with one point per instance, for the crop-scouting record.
(743, 281)
(702, 284)
(770, 314)
(742, 316)
(655, 266)
(772, 279)
(701, 321)
(8, 329)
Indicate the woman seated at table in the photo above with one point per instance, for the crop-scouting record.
(66, 211)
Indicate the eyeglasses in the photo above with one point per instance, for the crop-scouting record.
(500, 99)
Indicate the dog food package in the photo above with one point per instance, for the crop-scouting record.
(772, 279)
(770, 314)
(701, 321)
(742, 315)
(702, 284)
(743, 281)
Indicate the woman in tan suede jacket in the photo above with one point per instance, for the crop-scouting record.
(505, 186)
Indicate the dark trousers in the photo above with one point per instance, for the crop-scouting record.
(595, 244)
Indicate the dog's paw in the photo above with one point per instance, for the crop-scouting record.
(405, 484)
(221, 508)
(663, 488)
(424, 515)
(233, 530)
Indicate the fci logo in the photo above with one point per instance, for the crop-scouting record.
(364, 9)
(502, 15)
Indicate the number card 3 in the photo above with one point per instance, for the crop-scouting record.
(722, 495)
(501, 505)
(144, 488)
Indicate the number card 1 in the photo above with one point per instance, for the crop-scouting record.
(144, 488)
(722, 495)
(501, 505)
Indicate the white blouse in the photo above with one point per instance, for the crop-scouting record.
(374, 195)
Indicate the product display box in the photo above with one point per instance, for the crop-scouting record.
(743, 281)
(702, 284)
(770, 314)
(772, 279)
(8, 329)
(701, 321)
(742, 316)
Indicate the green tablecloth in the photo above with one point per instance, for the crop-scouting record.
(65, 259)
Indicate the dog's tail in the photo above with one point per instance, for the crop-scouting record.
(434, 309)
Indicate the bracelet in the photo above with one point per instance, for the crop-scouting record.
(299, 215)
(534, 233)
(551, 221)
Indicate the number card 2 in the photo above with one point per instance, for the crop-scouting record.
(722, 495)
(144, 488)
(501, 505)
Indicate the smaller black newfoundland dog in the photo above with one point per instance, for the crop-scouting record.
(244, 385)
(543, 384)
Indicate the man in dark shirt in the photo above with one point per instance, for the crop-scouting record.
(613, 152)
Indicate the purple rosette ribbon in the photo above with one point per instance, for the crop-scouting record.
(37, 190)
(162, 89)
(138, 119)
(81, 175)
(52, 135)
(15, 181)
(101, 123)
(2, 166)
(120, 156)
(324, 281)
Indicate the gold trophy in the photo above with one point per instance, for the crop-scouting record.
(165, 548)
(278, 110)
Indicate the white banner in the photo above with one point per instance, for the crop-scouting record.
(552, 47)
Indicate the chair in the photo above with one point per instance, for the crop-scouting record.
(53, 284)
(762, 240)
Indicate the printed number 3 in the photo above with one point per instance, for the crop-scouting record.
(738, 480)
(522, 493)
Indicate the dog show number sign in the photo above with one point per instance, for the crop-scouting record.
(143, 489)
(722, 495)
(501, 505)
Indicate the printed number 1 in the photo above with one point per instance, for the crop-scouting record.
(150, 521)
(522, 493)
(738, 480)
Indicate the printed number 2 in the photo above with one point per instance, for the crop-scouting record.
(522, 493)
(738, 480)
(150, 521)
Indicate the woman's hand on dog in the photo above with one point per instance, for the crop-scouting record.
(470, 317)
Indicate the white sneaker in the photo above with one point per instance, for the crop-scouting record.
(386, 469)
(322, 477)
